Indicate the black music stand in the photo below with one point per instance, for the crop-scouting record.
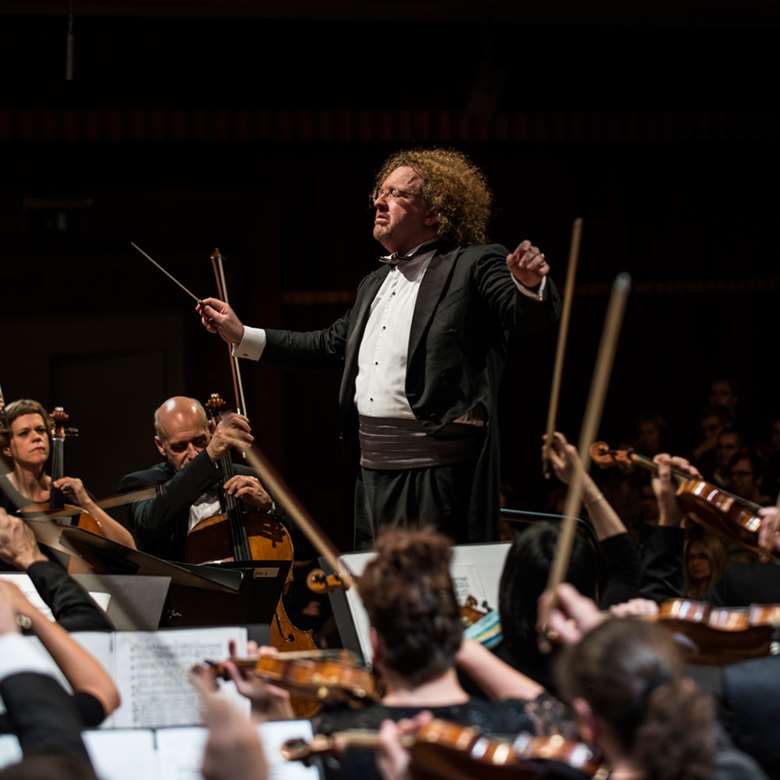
(198, 595)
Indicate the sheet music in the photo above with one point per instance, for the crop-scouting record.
(151, 673)
(180, 753)
(25, 584)
(122, 754)
(467, 582)
(273, 734)
(10, 751)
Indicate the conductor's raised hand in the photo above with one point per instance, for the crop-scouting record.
(218, 317)
(528, 265)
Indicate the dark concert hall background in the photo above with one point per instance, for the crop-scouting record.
(257, 127)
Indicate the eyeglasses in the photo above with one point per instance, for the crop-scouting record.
(390, 193)
(199, 442)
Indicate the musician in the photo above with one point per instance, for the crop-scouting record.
(73, 608)
(43, 716)
(417, 639)
(25, 443)
(423, 347)
(626, 680)
(188, 476)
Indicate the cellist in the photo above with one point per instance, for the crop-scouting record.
(25, 443)
(190, 475)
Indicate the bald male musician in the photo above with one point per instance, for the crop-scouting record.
(189, 476)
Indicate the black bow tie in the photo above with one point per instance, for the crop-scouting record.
(396, 259)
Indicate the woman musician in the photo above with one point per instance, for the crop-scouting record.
(26, 445)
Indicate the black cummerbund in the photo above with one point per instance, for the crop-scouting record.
(392, 444)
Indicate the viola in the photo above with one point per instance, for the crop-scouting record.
(333, 677)
(449, 750)
(713, 507)
(718, 635)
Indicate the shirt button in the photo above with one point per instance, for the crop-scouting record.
(371, 399)
(376, 362)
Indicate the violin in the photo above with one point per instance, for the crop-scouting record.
(332, 677)
(713, 635)
(713, 507)
(449, 750)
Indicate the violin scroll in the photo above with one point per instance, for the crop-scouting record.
(604, 456)
(319, 582)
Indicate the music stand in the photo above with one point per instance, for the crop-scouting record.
(199, 595)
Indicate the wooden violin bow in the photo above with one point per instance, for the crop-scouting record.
(593, 410)
(563, 331)
(235, 370)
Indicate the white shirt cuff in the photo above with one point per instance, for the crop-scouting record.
(537, 295)
(18, 654)
(251, 345)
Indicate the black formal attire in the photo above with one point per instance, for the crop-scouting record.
(160, 524)
(43, 717)
(466, 308)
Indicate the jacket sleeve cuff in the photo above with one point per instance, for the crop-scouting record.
(251, 345)
(538, 294)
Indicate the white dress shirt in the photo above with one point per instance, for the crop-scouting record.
(380, 386)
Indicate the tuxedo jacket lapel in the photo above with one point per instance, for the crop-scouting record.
(431, 289)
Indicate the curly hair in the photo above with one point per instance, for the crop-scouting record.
(453, 188)
(15, 410)
(410, 600)
(631, 675)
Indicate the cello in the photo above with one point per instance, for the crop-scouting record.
(236, 534)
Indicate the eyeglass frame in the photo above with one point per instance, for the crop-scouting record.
(389, 193)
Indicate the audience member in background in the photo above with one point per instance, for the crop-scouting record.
(772, 479)
(729, 443)
(40, 713)
(705, 561)
(626, 681)
(723, 394)
(73, 608)
(712, 421)
(651, 434)
(95, 696)
(746, 477)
